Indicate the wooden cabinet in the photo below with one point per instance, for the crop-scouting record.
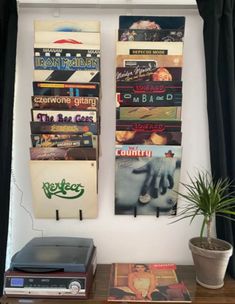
(99, 290)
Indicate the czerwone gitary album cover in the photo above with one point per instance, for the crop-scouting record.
(146, 178)
(66, 186)
(147, 283)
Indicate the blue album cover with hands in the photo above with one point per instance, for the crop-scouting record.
(147, 178)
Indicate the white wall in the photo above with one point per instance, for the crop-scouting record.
(118, 238)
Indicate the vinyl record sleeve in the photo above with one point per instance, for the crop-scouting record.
(66, 89)
(66, 63)
(66, 186)
(149, 113)
(67, 37)
(166, 35)
(50, 47)
(145, 74)
(169, 286)
(66, 76)
(149, 48)
(65, 102)
(64, 116)
(147, 178)
(141, 60)
(151, 22)
(63, 153)
(66, 26)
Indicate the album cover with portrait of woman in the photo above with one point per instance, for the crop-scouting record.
(147, 283)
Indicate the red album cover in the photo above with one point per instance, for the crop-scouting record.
(146, 283)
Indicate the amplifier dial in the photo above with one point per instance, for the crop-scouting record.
(75, 287)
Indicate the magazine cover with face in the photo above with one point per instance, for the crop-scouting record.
(146, 283)
(146, 179)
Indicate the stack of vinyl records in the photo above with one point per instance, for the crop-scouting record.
(148, 114)
(65, 118)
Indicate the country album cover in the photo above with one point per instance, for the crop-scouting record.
(66, 186)
(148, 113)
(146, 178)
(154, 61)
(65, 102)
(151, 22)
(165, 35)
(148, 48)
(58, 25)
(142, 282)
(67, 37)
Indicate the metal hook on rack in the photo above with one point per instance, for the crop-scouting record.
(129, 10)
(57, 215)
(56, 9)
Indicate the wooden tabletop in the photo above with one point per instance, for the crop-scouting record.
(98, 293)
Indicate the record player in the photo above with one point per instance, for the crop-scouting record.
(52, 267)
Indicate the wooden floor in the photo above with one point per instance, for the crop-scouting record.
(98, 294)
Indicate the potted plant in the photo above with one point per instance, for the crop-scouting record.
(208, 198)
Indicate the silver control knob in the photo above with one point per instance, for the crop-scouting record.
(75, 287)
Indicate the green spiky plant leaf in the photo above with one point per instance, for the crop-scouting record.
(207, 197)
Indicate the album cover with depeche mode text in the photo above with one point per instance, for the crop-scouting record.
(149, 48)
(141, 282)
(64, 187)
(152, 173)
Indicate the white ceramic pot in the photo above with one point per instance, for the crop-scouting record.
(210, 265)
